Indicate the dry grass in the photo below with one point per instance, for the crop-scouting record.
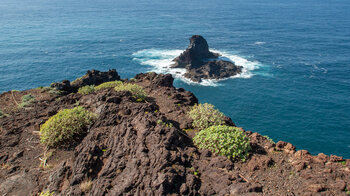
(6, 166)
(43, 160)
(86, 186)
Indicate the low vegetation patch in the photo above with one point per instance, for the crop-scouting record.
(106, 85)
(224, 140)
(205, 115)
(50, 90)
(2, 114)
(27, 100)
(136, 90)
(160, 122)
(76, 81)
(347, 192)
(270, 140)
(47, 193)
(194, 171)
(44, 158)
(55, 92)
(86, 89)
(66, 126)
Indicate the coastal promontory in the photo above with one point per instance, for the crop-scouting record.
(103, 135)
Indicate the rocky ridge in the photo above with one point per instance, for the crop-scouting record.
(126, 152)
(200, 63)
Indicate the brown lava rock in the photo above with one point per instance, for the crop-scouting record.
(126, 152)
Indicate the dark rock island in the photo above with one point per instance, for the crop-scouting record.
(200, 63)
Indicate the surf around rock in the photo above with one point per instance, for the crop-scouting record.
(200, 63)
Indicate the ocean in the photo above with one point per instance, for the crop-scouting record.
(295, 55)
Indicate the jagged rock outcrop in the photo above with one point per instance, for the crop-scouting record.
(95, 77)
(157, 80)
(195, 54)
(64, 87)
(200, 63)
(92, 77)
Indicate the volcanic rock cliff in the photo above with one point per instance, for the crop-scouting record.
(127, 152)
(200, 63)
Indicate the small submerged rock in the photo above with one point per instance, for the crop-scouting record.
(200, 63)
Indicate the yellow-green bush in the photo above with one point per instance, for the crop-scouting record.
(66, 126)
(224, 140)
(205, 115)
(108, 85)
(86, 89)
(136, 90)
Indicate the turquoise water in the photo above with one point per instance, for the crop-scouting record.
(296, 55)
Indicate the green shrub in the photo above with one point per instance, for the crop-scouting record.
(3, 114)
(45, 89)
(39, 88)
(205, 115)
(27, 100)
(50, 90)
(195, 172)
(160, 122)
(347, 192)
(47, 193)
(224, 140)
(136, 90)
(270, 140)
(66, 126)
(108, 85)
(86, 89)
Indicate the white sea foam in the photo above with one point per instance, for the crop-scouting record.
(160, 61)
(259, 43)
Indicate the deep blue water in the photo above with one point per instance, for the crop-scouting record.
(296, 53)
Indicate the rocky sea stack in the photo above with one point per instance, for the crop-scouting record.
(142, 145)
(200, 63)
